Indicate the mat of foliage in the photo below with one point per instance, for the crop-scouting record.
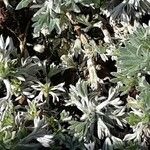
(74, 74)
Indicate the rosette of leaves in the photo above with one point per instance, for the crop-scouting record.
(45, 88)
(99, 116)
(133, 59)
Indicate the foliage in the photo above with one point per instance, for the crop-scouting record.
(75, 75)
(132, 74)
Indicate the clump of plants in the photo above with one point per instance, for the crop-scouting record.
(74, 75)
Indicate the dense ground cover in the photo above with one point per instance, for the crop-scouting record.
(74, 75)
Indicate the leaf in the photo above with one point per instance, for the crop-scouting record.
(117, 143)
(53, 70)
(23, 3)
(45, 140)
(129, 137)
(107, 144)
(80, 128)
(102, 129)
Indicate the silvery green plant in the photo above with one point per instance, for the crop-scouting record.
(89, 113)
(139, 117)
(7, 66)
(136, 48)
(47, 89)
(132, 75)
(52, 13)
(99, 115)
(19, 78)
(40, 133)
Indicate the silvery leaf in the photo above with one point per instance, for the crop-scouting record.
(46, 140)
(107, 144)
